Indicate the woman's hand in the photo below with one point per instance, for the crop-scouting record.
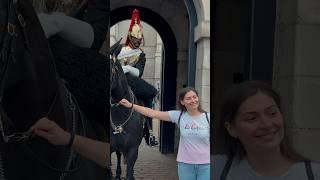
(126, 103)
(50, 131)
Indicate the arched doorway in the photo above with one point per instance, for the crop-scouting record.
(169, 66)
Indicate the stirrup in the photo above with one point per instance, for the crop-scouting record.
(152, 141)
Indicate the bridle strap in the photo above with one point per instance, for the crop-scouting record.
(132, 99)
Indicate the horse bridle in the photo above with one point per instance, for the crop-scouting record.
(9, 40)
(118, 129)
(114, 70)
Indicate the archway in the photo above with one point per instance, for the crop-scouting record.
(169, 66)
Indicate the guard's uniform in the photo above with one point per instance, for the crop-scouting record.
(129, 54)
(142, 89)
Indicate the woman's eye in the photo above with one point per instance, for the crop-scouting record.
(273, 112)
(250, 118)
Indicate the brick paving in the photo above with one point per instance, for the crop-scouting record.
(151, 164)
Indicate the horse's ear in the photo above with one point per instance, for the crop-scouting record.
(114, 58)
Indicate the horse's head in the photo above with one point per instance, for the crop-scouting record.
(27, 67)
(29, 90)
(119, 85)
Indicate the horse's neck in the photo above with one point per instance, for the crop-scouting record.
(128, 94)
(28, 101)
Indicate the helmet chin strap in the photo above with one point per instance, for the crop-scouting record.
(131, 44)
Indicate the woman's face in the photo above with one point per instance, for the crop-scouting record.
(258, 123)
(190, 100)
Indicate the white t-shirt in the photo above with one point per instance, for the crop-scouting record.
(194, 144)
(243, 171)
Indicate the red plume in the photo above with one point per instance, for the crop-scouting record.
(135, 15)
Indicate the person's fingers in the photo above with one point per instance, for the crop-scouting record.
(43, 124)
(124, 101)
(43, 134)
(38, 124)
(44, 128)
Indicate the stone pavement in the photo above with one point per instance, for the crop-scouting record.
(151, 164)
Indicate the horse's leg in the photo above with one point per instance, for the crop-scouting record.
(118, 170)
(131, 160)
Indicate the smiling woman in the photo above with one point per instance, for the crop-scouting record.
(194, 124)
(258, 124)
(256, 141)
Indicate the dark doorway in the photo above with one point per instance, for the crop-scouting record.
(242, 49)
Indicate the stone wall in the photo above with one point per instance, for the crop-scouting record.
(297, 72)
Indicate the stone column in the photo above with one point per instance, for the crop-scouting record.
(202, 38)
(157, 83)
(297, 72)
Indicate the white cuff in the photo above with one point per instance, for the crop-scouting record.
(133, 71)
(125, 69)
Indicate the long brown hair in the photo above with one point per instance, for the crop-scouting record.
(233, 100)
(182, 93)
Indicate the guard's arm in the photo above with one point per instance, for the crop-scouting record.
(132, 70)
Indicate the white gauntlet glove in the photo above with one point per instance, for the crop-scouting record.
(125, 69)
(132, 70)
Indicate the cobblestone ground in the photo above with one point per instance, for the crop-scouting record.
(151, 164)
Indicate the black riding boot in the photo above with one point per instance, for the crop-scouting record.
(149, 138)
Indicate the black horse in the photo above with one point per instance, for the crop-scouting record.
(126, 125)
(30, 89)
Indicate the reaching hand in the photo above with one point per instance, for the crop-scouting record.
(50, 131)
(126, 103)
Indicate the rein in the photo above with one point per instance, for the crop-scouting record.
(21, 137)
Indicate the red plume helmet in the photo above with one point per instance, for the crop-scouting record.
(135, 19)
(135, 29)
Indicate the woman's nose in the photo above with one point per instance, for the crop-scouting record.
(265, 122)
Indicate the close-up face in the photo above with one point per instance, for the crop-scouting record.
(258, 123)
(190, 100)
